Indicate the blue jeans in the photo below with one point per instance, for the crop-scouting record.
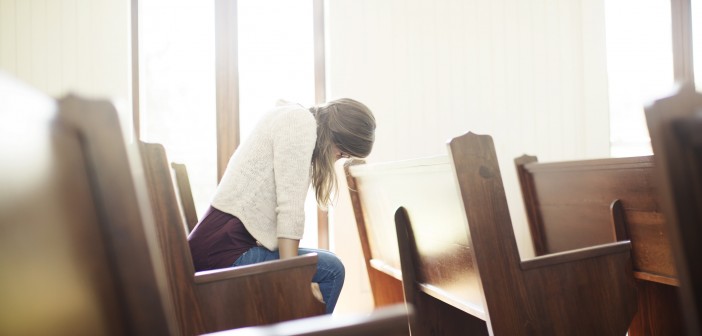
(330, 271)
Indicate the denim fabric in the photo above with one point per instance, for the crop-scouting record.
(330, 271)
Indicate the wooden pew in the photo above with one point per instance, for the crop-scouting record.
(574, 204)
(69, 267)
(185, 195)
(228, 298)
(466, 277)
(377, 236)
(387, 321)
(675, 126)
(78, 259)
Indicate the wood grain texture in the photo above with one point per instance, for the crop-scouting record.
(574, 204)
(584, 292)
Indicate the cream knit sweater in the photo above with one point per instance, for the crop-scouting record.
(267, 179)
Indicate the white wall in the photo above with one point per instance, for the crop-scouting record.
(61, 46)
(531, 73)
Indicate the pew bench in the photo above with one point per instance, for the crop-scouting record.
(675, 126)
(79, 247)
(575, 204)
(459, 261)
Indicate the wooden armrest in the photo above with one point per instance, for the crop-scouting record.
(575, 255)
(391, 320)
(259, 268)
(386, 268)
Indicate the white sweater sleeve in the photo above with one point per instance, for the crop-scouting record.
(293, 143)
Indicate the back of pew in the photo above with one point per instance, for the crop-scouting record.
(185, 195)
(675, 127)
(377, 235)
(454, 294)
(570, 205)
(68, 269)
(574, 204)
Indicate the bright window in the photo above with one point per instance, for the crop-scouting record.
(177, 87)
(639, 67)
(276, 61)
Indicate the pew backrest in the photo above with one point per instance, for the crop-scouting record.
(376, 233)
(576, 204)
(462, 270)
(675, 127)
(67, 268)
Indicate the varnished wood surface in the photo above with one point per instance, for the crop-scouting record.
(586, 293)
(452, 267)
(64, 251)
(227, 298)
(125, 219)
(675, 127)
(185, 195)
(569, 207)
(68, 267)
(383, 268)
(574, 204)
(387, 321)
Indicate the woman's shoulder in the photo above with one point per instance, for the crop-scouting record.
(290, 114)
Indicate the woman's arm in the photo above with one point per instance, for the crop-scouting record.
(288, 247)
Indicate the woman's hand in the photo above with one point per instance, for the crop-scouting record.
(316, 292)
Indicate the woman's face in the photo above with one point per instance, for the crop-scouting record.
(338, 154)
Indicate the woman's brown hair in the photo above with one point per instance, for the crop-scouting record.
(348, 124)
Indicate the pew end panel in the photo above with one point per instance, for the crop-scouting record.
(124, 212)
(523, 305)
(675, 127)
(229, 298)
(56, 278)
(378, 242)
(71, 267)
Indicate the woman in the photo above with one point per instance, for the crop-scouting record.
(257, 213)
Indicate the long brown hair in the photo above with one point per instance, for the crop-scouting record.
(348, 124)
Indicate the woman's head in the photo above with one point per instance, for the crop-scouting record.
(345, 128)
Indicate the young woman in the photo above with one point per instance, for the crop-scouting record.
(257, 213)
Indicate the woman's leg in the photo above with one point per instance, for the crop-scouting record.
(330, 271)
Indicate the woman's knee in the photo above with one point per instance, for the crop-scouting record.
(331, 262)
